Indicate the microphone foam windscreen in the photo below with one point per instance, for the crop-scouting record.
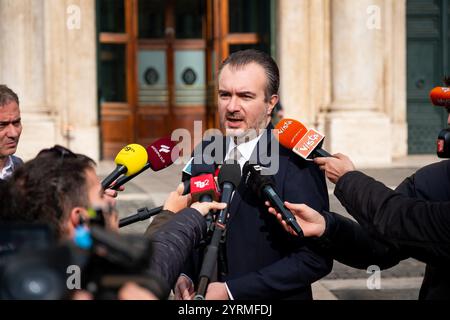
(134, 157)
(201, 168)
(230, 172)
(255, 180)
(161, 155)
(290, 132)
(440, 96)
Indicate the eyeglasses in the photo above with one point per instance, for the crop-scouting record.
(57, 151)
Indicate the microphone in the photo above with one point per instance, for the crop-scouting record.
(159, 157)
(202, 183)
(440, 97)
(146, 213)
(443, 144)
(263, 187)
(141, 215)
(129, 160)
(293, 135)
(229, 178)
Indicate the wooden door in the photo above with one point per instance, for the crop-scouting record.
(171, 83)
(158, 61)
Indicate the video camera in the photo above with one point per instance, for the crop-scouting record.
(33, 268)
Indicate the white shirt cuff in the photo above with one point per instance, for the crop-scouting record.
(229, 292)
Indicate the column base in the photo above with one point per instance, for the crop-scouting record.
(364, 136)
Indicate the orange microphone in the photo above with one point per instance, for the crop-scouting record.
(293, 135)
(440, 96)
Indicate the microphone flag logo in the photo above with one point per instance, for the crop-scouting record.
(164, 149)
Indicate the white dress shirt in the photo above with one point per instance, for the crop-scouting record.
(245, 149)
(8, 169)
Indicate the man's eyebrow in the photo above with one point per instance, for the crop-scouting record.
(8, 122)
(246, 93)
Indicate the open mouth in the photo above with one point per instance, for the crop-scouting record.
(234, 122)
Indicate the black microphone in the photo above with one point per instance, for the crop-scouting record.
(229, 178)
(142, 214)
(146, 213)
(263, 186)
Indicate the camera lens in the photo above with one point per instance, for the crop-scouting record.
(32, 282)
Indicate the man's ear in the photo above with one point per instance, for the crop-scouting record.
(75, 215)
(272, 102)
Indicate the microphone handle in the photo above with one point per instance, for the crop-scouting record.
(142, 214)
(275, 200)
(120, 169)
(227, 192)
(210, 258)
(209, 263)
(122, 180)
(319, 152)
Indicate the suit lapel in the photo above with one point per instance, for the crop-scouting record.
(261, 150)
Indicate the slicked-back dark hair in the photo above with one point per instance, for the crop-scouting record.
(242, 58)
(7, 96)
(46, 189)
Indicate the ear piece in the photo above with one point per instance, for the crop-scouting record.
(82, 221)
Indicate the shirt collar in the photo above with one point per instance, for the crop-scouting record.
(8, 169)
(245, 148)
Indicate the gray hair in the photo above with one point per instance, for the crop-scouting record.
(7, 96)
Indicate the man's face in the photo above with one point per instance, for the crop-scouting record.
(241, 100)
(10, 128)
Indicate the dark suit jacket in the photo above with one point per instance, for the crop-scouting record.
(264, 261)
(431, 183)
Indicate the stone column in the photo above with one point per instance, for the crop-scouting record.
(356, 123)
(50, 61)
(303, 57)
(22, 68)
(71, 72)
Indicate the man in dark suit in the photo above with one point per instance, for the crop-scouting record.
(10, 130)
(262, 261)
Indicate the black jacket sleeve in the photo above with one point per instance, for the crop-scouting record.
(158, 221)
(349, 243)
(173, 243)
(418, 228)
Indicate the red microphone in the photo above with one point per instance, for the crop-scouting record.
(202, 184)
(293, 135)
(440, 97)
(161, 154)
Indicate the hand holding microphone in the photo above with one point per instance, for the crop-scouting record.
(178, 199)
(440, 97)
(312, 222)
(335, 167)
(263, 187)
